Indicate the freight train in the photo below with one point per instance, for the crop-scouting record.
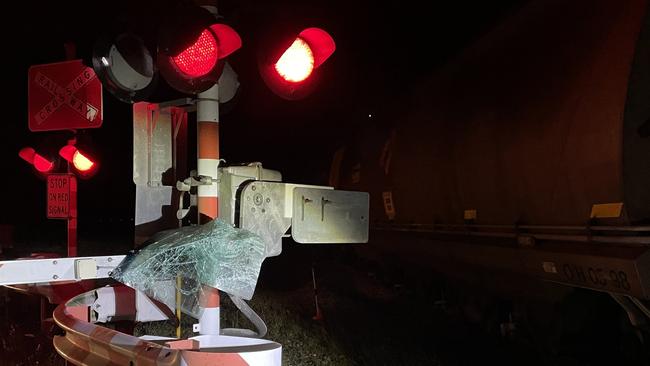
(524, 162)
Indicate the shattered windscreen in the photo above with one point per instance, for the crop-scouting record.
(213, 254)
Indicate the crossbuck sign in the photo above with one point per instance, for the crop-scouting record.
(64, 96)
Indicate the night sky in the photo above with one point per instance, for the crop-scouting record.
(382, 52)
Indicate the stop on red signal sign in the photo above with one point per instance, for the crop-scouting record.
(61, 196)
(63, 96)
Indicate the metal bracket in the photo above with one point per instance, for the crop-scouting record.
(18, 272)
(185, 186)
(188, 104)
(195, 181)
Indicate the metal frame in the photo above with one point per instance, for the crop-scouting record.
(18, 272)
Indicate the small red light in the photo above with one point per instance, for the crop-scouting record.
(297, 62)
(199, 58)
(82, 163)
(42, 165)
(39, 162)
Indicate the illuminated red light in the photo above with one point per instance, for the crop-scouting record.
(196, 68)
(39, 162)
(81, 163)
(42, 165)
(297, 62)
(199, 58)
(288, 65)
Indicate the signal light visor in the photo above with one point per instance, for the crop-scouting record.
(39, 162)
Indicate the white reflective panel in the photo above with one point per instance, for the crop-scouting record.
(329, 216)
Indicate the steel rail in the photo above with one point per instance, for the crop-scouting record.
(468, 231)
(641, 228)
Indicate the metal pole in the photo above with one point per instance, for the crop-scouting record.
(72, 217)
(208, 151)
(207, 110)
(71, 54)
(179, 283)
(72, 221)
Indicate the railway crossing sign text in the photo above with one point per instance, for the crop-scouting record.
(60, 188)
(64, 96)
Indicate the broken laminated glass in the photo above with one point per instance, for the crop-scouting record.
(213, 254)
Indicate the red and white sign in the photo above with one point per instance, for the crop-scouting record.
(63, 96)
(61, 192)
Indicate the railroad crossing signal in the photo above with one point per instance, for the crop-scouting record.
(288, 66)
(62, 188)
(84, 165)
(189, 53)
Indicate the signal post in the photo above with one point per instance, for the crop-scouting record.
(63, 96)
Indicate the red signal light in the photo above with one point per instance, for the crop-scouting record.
(197, 67)
(199, 58)
(82, 163)
(42, 165)
(296, 63)
(39, 162)
(291, 74)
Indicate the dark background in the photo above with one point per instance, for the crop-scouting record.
(382, 51)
